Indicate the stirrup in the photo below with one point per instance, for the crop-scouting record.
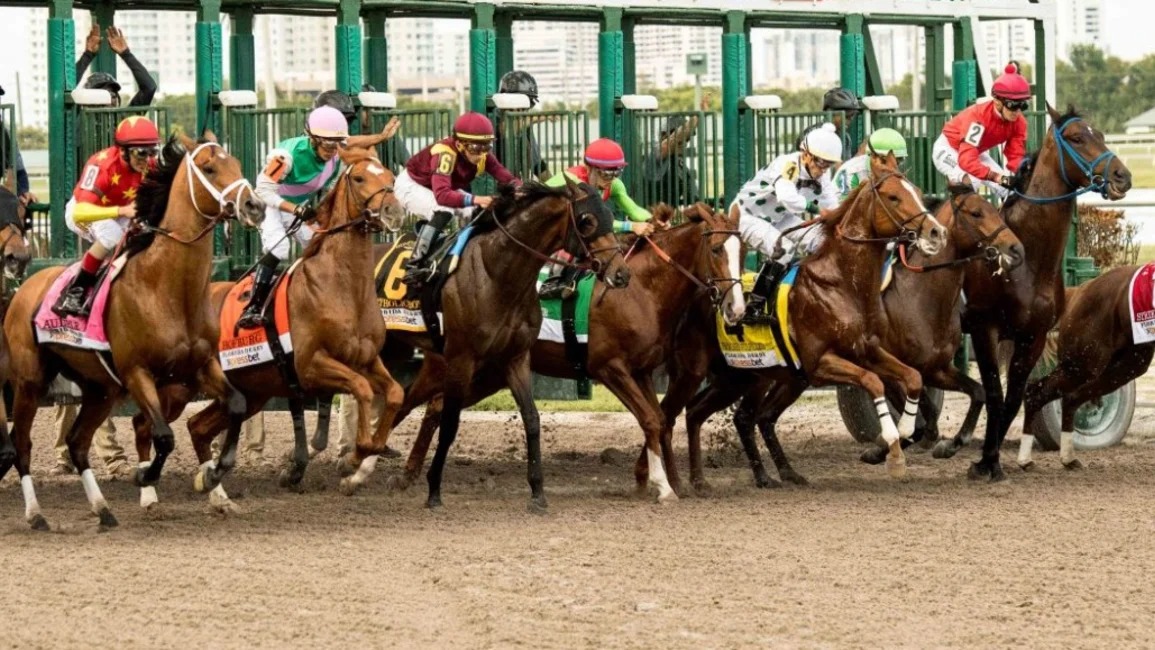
(72, 303)
(251, 319)
(556, 288)
(755, 312)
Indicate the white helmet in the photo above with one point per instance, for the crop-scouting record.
(824, 143)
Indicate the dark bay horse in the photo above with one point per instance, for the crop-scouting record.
(336, 339)
(15, 250)
(159, 324)
(835, 314)
(492, 314)
(1073, 159)
(631, 331)
(1097, 355)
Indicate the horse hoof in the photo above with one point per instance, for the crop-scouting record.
(201, 482)
(226, 507)
(795, 478)
(106, 519)
(348, 487)
(997, 475)
(765, 482)
(1028, 466)
(896, 466)
(345, 466)
(38, 522)
(875, 456)
(433, 503)
(397, 483)
(978, 471)
(944, 449)
(703, 489)
(538, 506)
(1074, 465)
(668, 498)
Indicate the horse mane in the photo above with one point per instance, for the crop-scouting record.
(831, 221)
(511, 200)
(152, 195)
(1027, 168)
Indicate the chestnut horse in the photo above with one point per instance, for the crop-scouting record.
(1022, 308)
(492, 314)
(1096, 354)
(335, 338)
(631, 332)
(158, 320)
(836, 316)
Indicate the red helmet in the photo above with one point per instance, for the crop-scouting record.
(473, 126)
(137, 131)
(604, 153)
(1011, 84)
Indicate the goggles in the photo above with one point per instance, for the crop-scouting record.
(820, 163)
(610, 172)
(478, 147)
(1016, 104)
(144, 152)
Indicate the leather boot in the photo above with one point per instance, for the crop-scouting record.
(768, 277)
(254, 316)
(416, 275)
(72, 300)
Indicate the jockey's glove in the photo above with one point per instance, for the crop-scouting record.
(1008, 181)
(304, 212)
(812, 208)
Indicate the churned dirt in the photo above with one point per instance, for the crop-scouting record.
(1048, 559)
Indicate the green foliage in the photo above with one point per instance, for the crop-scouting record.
(32, 137)
(1105, 88)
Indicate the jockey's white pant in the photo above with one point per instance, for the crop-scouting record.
(420, 200)
(273, 239)
(108, 232)
(763, 236)
(946, 162)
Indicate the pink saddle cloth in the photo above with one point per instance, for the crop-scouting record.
(73, 331)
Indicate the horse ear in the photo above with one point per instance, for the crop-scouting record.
(571, 187)
(891, 161)
(188, 143)
(209, 136)
(1053, 113)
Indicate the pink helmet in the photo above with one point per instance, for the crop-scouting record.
(1011, 84)
(327, 122)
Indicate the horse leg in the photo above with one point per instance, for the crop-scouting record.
(299, 460)
(1023, 361)
(724, 390)
(173, 399)
(645, 382)
(986, 355)
(520, 382)
(24, 407)
(684, 384)
(772, 408)
(832, 368)
(744, 419)
(953, 379)
(7, 449)
(630, 389)
(142, 386)
(425, 387)
(203, 428)
(381, 383)
(321, 435)
(94, 409)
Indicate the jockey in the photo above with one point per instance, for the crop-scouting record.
(960, 153)
(853, 172)
(104, 201)
(435, 184)
(604, 162)
(783, 195)
(298, 173)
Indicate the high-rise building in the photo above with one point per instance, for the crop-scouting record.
(1079, 23)
(661, 51)
(1008, 40)
(563, 59)
(794, 58)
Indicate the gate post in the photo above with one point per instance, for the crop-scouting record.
(853, 72)
(503, 43)
(208, 63)
(611, 76)
(61, 55)
(242, 65)
(964, 88)
(376, 51)
(347, 39)
(482, 57)
(735, 85)
(103, 16)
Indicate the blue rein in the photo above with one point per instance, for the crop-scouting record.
(1096, 182)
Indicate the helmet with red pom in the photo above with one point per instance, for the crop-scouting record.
(136, 131)
(473, 127)
(1011, 84)
(604, 153)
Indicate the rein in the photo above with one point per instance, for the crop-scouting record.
(984, 248)
(711, 286)
(905, 234)
(1096, 182)
(594, 264)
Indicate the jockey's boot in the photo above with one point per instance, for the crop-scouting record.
(72, 301)
(416, 275)
(560, 285)
(254, 316)
(768, 277)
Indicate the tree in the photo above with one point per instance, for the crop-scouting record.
(32, 137)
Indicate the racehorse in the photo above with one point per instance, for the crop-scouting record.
(835, 314)
(492, 314)
(1073, 159)
(15, 250)
(631, 331)
(335, 339)
(1096, 354)
(158, 321)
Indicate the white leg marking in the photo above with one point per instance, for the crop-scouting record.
(31, 505)
(92, 491)
(368, 464)
(907, 421)
(737, 300)
(1067, 447)
(889, 432)
(658, 476)
(1026, 446)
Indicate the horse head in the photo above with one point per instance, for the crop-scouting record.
(721, 267)
(218, 188)
(897, 207)
(363, 196)
(977, 225)
(591, 234)
(1082, 157)
(14, 246)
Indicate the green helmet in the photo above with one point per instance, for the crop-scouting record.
(884, 140)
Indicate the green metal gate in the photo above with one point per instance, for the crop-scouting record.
(419, 129)
(537, 144)
(8, 135)
(673, 157)
(96, 127)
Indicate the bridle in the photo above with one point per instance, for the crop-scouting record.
(1095, 182)
(368, 221)
(226, 208)
(905, 233)
(984, 244)
(712, 285)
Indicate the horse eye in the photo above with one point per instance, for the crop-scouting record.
(893, 197)
(717, 250)
(358, 179)
(210, 170)
(1077, 139)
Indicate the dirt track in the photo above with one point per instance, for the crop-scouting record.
(1048, 559)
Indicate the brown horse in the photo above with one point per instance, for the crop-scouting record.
(15, 250)
(492, 315)
(1096, 354)
(335, 338)
(631, 331)
(1072, 160)
(164, 284)
(835, 314)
